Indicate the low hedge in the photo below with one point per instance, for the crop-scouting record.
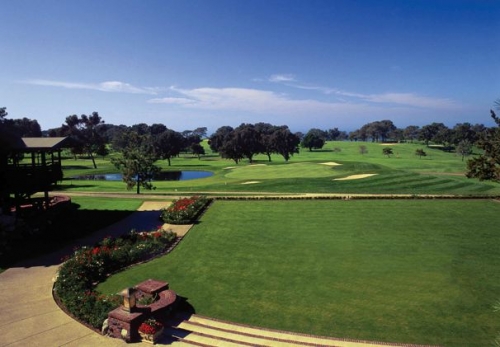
(82, 271)
(184, 210)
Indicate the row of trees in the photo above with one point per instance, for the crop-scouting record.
(23, 127)
(92, 136)
(247, 140)
(437, 133)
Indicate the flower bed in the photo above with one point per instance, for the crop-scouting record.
(184, 210)
(150, 330)
(81, 272)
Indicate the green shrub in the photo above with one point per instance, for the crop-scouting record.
(81, 272)
(185, 210)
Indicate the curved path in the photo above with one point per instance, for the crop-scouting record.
(30, 317)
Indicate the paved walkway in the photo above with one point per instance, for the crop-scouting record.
(30, 317)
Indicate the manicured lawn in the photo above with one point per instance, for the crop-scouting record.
(409, 271)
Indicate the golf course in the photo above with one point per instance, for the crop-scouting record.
(397, 249)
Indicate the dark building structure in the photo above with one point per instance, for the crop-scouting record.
(28, 165)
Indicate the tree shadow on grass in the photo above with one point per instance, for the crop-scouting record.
(73, 228)
(68, 184)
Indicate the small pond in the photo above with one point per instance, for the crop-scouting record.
(163, 176)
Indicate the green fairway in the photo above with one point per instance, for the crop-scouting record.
(307, 172)
(409, 271)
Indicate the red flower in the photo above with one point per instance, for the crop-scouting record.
(151, 326)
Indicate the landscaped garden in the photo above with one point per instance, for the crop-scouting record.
(409, 271)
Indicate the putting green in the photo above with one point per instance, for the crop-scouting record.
(294, 170)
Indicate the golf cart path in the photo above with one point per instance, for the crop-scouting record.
(30, 317)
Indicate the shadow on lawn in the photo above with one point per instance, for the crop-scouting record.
(73, 228)
(68, 184)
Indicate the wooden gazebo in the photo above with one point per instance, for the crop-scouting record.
(30, 165)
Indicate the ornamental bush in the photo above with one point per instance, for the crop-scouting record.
(184, 210)
(81, 272)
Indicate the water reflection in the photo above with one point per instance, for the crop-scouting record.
(163, 176)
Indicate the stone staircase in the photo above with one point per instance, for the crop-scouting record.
(206, 332)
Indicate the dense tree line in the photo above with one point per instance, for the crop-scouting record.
(23, 127)
(92, 136)
(248, 140)
(437, 133)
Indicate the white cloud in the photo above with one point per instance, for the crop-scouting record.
(178, 101)
(269, 102)
(256, 101)
(406, 99)
(281, 78)
(411, 99)
(107, 86)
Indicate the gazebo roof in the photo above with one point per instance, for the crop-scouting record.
(43, 143)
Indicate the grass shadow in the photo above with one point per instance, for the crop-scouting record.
(57, 235)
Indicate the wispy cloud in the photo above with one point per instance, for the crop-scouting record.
(107, 86)
(281, 78)
(235, 102)
(252, 100)
(405, 99)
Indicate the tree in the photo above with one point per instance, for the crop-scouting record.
(464, 132)
(487, 165)
(190, 139)
(137, 161)
(85, 134)
(218, 138)
(168, 144)
(315, 138)
(420, 153)
(3, 113)
(266, 132)
(23, 127)
(336, 135)
(118, 137)
(197, 150)
(363, 150)
(201, 132)
(157, 129)
(378, 130)
(444, 137)
(464, 148)
(232, 147)
(284, 142)
(411, 132)
(428, 132)
(387, 151)
(249, 140)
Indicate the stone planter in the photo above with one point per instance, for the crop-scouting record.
(151, 338)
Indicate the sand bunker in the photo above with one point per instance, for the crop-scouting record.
(229, 168)
(354, 177)
(251, 165)
(330, 163)
(251, 182)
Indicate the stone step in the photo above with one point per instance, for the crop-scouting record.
(284, 337)
(247, 339)
(209, 340)
(214, 332)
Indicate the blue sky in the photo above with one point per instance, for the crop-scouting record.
(306, 64)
